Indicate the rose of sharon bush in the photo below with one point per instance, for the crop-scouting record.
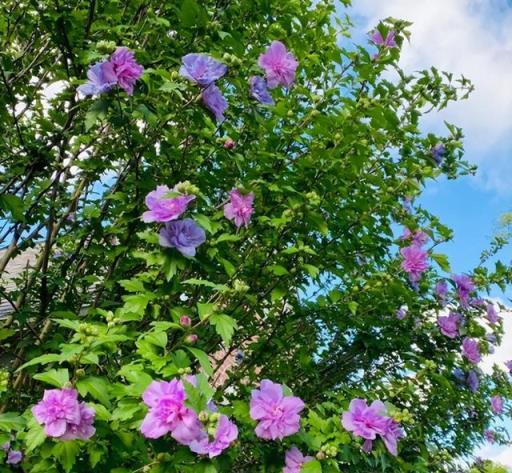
(163, 208)
(278, 415)
(63, 416)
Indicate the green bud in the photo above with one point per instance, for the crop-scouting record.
(203, 416)
(80, 373)
(320, 456)
(186, 187)
(105, 47)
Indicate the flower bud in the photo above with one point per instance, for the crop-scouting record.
(187, 188)
(191, 339)
(185, 321)
(203, 416)
(229, 143)
(80, 373)
(320, 456)
(105, 47)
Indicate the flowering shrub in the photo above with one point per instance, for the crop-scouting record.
(209, 197)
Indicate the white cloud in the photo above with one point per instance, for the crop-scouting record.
(470, 37)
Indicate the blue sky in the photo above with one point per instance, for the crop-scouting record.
(474, 38)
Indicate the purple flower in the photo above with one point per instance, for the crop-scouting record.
(294, 459)
(492, 315)
(490, 436)
(184, 235)
(225, 434)
(215, 102)
(441, 291)
(239, 208)
(279, 65)
(497, 404)
(162, 208)
(471, 350)
(465, 286)
(365, 421)
(84, 430)
(449, 325)
(387, 42)
(126, 69)
(14, 457)
(63, 416)
(201, 69)
(167, 413)
(418, 237)
(508, 364)
(259, 90)
(407, 205)
(437, 152)
(277, 414)
(393, 431)
(369, 421)
(401, 313)
(459, 375)
(472, 381)
(414, 262)
(101, 79)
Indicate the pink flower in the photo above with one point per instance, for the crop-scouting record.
(369, 421)
(365, 421)
(471, 350)
(239, 208)
(279, 65)
(464, 286)
(497, 404)
(418, 237)
(167, 412)
(84, 430)
(63, 416)
(294, 459)
(441, 291)
(225, 434)
(490, 436)
(414, 262)
(185, 321)
(278, 415)
(229, 143)
(387, 42)
(492, 315)
(125, 69)
(164, 209)
(449, 325)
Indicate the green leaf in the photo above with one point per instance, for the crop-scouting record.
(202, 357)
(224, 326)
(98, 110)
(278, 270)
(5, 333)
(42, 360)
(56, 378)
(66, 453)
(202, 282)
(192, 14)
(97, 387)
(11, 421)
(35, 436)
(442, 261)
(12, 204)
(312, 466)
(132, 285)
(205, 310)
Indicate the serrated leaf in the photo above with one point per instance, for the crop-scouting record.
(205, 310)
(42, 360)
(312, 466)
(11, 421)
(66, 453)
(97, 387)
(57, 378)
(224, 326)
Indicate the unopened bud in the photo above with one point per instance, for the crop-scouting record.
(229, 143)
(203, 416)
(185, 321)
(105, 47)
(191, 339)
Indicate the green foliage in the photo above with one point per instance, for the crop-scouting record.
(307, 293)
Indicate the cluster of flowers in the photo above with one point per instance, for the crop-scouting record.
(121, 69)
(185, 235)
(13, 456)
(371, 421)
